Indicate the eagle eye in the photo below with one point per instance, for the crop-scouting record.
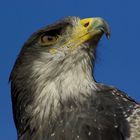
(50, 37)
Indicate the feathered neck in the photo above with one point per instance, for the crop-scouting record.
(64, 77)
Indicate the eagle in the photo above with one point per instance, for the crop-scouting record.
(55, 95)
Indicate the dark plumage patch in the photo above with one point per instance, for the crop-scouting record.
(105, 117)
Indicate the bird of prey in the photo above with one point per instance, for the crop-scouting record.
(55, 95)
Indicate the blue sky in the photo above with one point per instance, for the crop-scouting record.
(118, 60)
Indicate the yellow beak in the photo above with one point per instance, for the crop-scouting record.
(96, 26)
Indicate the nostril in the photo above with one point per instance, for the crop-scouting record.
(86, 24)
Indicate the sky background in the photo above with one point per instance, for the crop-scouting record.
(118, 60)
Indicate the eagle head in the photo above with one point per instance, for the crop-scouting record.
(67, 41)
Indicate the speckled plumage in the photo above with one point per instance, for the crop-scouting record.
(55, 96)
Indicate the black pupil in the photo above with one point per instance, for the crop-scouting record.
(50, 38)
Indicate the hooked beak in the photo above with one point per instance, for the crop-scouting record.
(96, 27)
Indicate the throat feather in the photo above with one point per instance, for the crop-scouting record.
(56, 85)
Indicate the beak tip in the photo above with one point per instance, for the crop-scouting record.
(103, 26)
(108, 36)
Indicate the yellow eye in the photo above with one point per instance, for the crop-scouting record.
(48, 39)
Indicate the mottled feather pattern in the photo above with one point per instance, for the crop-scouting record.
(134, 123)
